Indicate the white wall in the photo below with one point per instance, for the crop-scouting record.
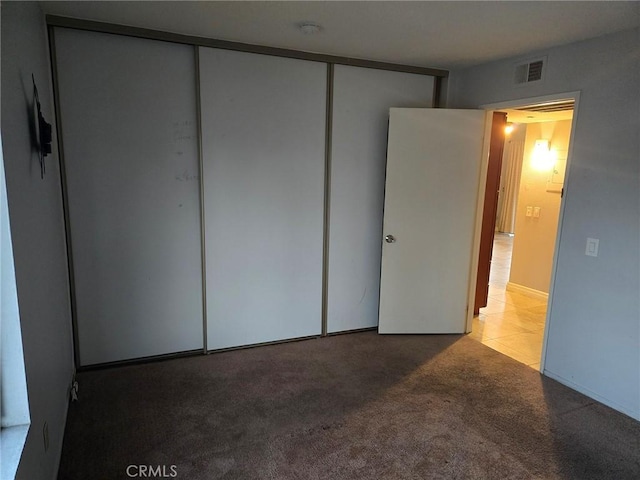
(35, 211)
(594, 330)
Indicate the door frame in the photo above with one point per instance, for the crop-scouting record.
(510, 104)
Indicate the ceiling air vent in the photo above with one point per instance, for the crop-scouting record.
(530, 71)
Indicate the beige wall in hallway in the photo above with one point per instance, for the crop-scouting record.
(535, 238)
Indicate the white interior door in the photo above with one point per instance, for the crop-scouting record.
(433, 174)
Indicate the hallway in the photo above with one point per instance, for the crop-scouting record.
(511, 323)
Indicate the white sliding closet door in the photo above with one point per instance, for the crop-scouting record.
(128, 110)
(263, 135)
(361, 101)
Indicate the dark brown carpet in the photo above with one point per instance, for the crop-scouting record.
(357, 406)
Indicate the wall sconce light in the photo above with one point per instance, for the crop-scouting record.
(508, 128)
(542, 158)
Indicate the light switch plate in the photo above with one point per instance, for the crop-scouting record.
(592, 247)
(529, 211)
(536, 212)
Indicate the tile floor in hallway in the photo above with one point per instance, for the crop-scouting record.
(511, 323)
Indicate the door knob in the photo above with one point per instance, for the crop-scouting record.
(390, 239)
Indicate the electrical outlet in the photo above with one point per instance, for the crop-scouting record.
(45, 435)
(536, 212)
(73, 389)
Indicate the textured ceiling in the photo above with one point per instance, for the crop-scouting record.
(431, 34)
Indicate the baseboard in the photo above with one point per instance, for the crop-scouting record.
(635, 414)
(61, 439)
(529, 292)
(354, 330)
(139, 361)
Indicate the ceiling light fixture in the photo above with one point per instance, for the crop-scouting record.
(309, 28)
